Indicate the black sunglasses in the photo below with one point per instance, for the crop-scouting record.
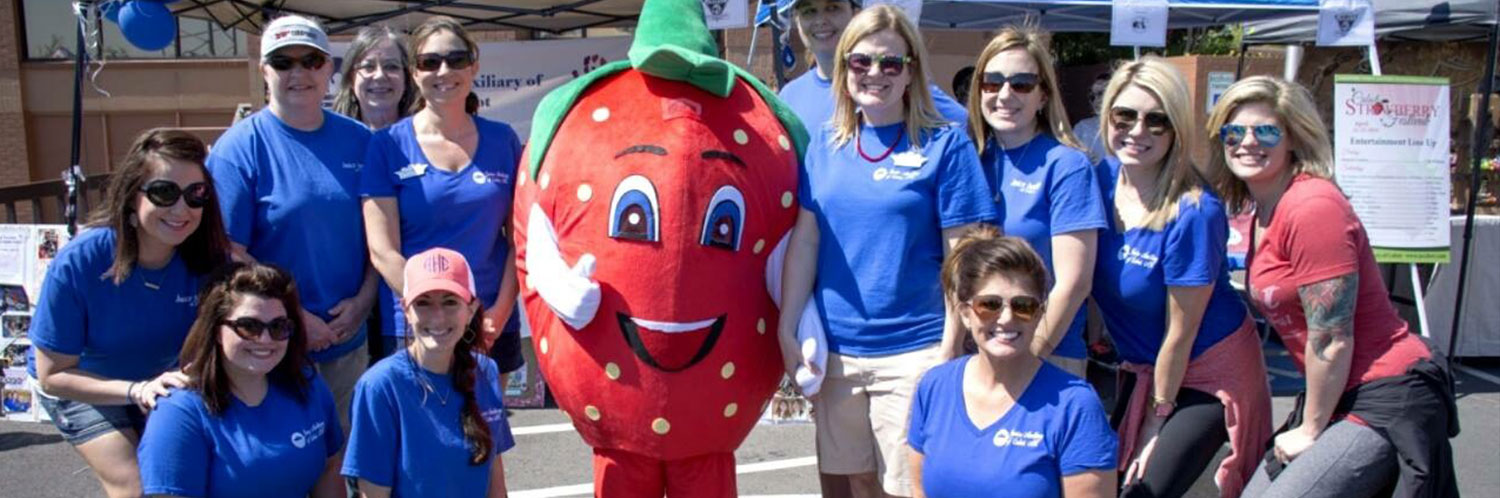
(987, 308)
(890, 65)
(457, 59)
(250, 329)
(164, 193)
(311, 62)
(1267, 135)
(1022, 83)
(1125, 118)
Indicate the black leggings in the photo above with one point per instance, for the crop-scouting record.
(1185, 446)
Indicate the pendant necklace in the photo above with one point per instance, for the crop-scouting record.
(427, 388)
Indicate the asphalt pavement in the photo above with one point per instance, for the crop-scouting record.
(777, 460)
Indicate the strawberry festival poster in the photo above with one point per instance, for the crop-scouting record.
(1391, 159)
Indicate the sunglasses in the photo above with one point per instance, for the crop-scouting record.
(165, 193)
(311, 62)
(890, 65)
(250, 329)
(1267, 135)
(1125, 118)
(1022, 83)
(988, 308)
(457, 59)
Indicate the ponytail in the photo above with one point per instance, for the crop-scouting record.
(465, 371)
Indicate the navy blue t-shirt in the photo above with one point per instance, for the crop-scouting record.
(464, 210)
(1135, 267)
(1056, 428)
(881, 245)
(1045, 189)
(277, 448)
(129, 331)
(291, 197)
(412, 440)
(811, 98)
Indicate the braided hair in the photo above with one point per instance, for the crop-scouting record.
(465, 374)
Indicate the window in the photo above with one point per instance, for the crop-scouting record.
(49, 26)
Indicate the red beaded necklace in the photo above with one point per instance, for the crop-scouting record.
(860, 148)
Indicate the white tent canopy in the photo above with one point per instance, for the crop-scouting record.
(346, 15)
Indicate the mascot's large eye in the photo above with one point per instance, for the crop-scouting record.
(633, 210)
(725, 219)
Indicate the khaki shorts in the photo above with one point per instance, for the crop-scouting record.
(861, 415)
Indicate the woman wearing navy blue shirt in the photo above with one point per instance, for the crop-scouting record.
(429, 420)
(443, 178)
(117, 302)
(256, 407)
(1003, 418)
(885, 189)
(1042, 181)
(1192, 359)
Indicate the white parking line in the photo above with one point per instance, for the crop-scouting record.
(749, 468)
(541, 429)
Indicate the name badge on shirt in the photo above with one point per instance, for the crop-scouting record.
(909, 159)
(412, 170)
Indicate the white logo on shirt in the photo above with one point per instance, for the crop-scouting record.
(311, 435)
(882, 174)
(1017, 438)
(190, 300)
(1137, 257)
(493, 414)
(483, 177)
(411, 170)
(1023, 187)
(354, 166)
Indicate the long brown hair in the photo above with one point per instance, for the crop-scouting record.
(345, 102)
(202, 354)
(465, 375)
(1053, 118)
(203, 250)
(980, 254)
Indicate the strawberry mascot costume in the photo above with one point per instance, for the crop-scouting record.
(650, 222)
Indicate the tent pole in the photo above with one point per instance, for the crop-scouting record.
(1239, 66)
(776, 54)
(73, 177)
(1481, 133)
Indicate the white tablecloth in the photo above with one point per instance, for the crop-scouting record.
(1480, 332)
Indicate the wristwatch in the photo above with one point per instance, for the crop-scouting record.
(1162, 407)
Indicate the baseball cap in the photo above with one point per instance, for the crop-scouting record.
(292, 30)
(438, 269)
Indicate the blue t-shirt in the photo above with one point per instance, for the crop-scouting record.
(1135, 267)
(129, 331)
(277, 448)
(881, 244)
(465, 211)
(1046, 189)
(412, 440)
(291, 198)
(811, 98)
(1056, 428)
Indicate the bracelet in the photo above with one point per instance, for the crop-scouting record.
(130, 391)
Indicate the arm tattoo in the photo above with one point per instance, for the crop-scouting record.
(1329, 307)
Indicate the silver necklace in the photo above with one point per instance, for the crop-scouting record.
(427, 387)
(1008, 159)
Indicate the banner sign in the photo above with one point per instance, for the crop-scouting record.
(1138, 23)
(726, 14)
(1391, 159)
(514, 76)
(25, 253)
(1346, 23)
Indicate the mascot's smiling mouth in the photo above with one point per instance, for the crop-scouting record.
(631, 328)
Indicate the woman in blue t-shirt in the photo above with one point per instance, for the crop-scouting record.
(256, 407)
(1042, 181)
(1038, 430)
(429, 420)
(117, 302)
(444, 178)
(885, 189)
(1191, 357)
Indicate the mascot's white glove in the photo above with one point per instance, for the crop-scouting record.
(570, 292)
(810, 334)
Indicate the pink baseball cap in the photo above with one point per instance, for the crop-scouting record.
(438, 269)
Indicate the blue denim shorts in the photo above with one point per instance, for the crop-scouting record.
(81, 422)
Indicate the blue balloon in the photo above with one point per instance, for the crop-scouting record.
(148, 25)
(112, 10)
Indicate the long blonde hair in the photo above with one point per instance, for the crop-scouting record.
(1176, 177)
(1035, 41)
(919, 111)
(1307, 139)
